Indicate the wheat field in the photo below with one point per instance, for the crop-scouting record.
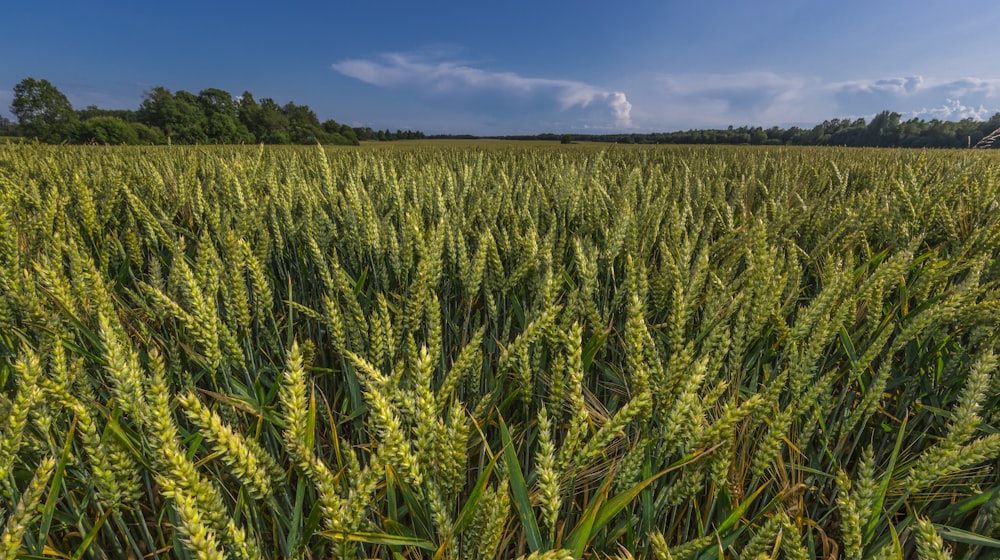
(499, 351)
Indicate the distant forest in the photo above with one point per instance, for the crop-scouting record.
(214, 116)
(886, 129)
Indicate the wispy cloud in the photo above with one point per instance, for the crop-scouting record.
(894, 86)
(974, 86)
(709, 84)
(766, 98)
(715, 99)
(920, 85)
(444, 78)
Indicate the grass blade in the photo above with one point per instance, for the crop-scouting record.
(378, 538)
(519, 492)
(955, 534)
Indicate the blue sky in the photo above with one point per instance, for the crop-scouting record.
(523, 67)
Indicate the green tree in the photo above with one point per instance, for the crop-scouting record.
(92, 111)
(364, 133)
(179, 115)
(159, 109)
(883, 130)
(107, 130)
(148, 135)
(273, 123)
(223, 125)
(7, 127)
(336, 133)
(43, 111)
(303, 124)
(193, 124)
(249, 113)
(214, 100)
(347, 132)
(265, 121)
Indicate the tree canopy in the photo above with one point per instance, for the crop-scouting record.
(43, 111)
(213, 116)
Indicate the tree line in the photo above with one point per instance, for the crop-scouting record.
(886, 129)
(213, 116)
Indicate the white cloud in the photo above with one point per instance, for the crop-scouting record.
(703, 100)
(445, 77)
(622, 108)
(953, 110)
(955, 99)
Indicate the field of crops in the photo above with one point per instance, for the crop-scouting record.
(499, 351)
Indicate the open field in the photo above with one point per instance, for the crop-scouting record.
(441, 350)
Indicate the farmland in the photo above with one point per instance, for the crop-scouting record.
(499, 350)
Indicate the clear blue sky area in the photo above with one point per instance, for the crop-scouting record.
(518, 67)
